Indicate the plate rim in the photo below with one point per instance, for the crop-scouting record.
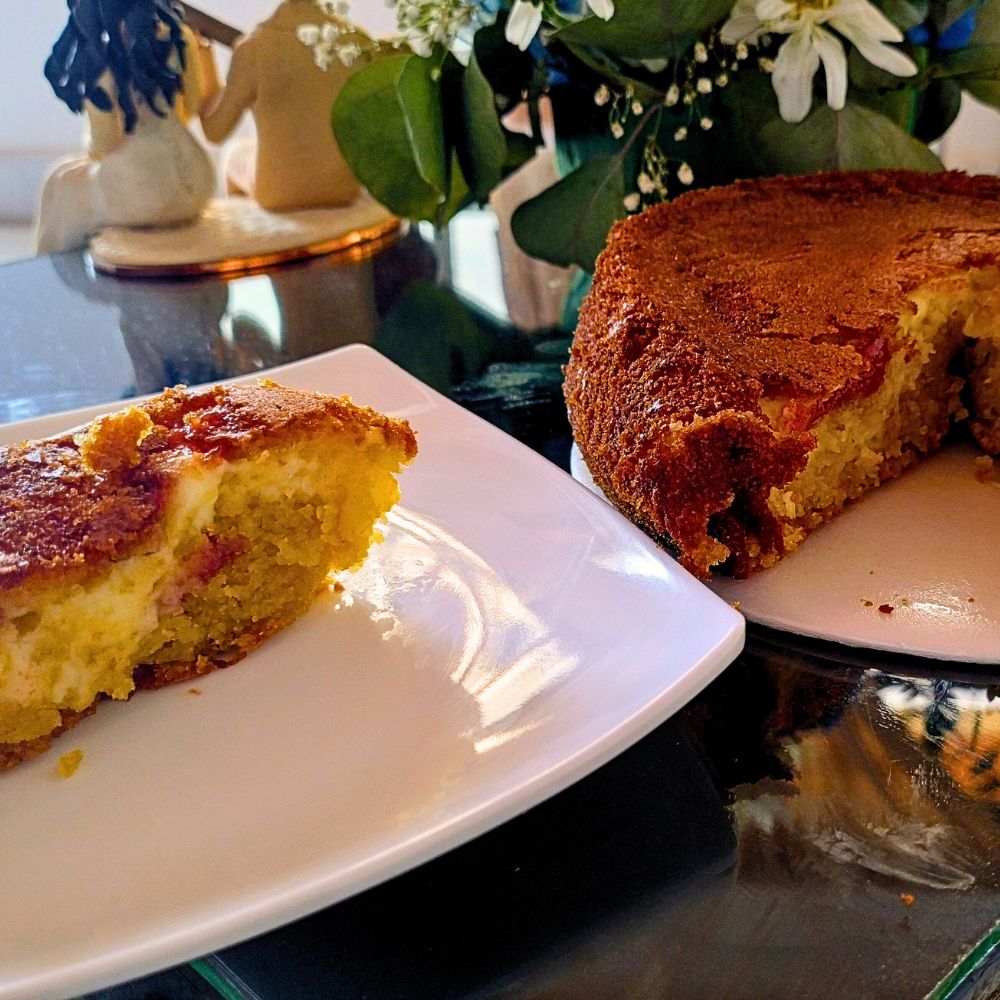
(731, 589)
(269, 909)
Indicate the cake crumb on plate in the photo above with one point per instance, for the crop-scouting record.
(69, 762)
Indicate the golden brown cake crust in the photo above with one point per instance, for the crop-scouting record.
(785, 287)
(72, 503)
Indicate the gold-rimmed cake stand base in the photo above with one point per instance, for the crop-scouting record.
(264, 240)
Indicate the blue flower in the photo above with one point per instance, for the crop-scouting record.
(957, 35)
(920, 35)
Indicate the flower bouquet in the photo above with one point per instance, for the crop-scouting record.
(649, 98)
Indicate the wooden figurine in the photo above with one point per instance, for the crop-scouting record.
(287, 72)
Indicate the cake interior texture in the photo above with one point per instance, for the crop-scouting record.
(753, 358)
(948, 371)
(241, 547)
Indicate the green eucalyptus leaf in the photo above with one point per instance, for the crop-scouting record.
(750, 104)
(939, 107)
(647, 29)
(867, 76)
(419, 97)
(458, 193)
(987, 91)
(569, 222)
(855, 138)
(906, 14)
(976, 68)
(978, 61)
(389, 126)
(480, 142)
(987, 30)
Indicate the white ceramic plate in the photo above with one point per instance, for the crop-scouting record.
(511, 634)
(926, 546)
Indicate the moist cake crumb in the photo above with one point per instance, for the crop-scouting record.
(170, 539)
(752, 358)
(69, 762)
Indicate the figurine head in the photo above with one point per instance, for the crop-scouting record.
(139, 42)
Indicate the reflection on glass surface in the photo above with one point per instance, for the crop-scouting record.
(817, 823)
(187, 330)
(898, 784)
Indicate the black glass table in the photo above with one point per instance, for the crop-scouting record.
(819, 822)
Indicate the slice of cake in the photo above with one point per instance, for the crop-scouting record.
(754, 357)
(170, 538)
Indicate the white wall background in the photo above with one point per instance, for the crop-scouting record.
(35, 128)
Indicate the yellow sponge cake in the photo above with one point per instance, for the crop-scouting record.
(753, 358)
(168, 539)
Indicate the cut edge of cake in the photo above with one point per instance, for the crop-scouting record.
(943, 377)
(255, 515)
(730, 476)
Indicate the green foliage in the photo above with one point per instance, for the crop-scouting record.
(480, 142)
(390, 127)
(987, 24)
(569, 222)
(978, 69)
(855, 138)
(647, 29)
(906, 14)
(426, 135)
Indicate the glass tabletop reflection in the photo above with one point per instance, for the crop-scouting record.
(818, 822)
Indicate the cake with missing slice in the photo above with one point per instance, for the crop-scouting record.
(172, 537)
(752, 358)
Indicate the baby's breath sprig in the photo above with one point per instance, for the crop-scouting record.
(654, 181)
(707, 69)
(337, 38)
(621, 106)
(424, 24)
(429, 23)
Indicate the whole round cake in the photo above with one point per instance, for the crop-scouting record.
(752, 358)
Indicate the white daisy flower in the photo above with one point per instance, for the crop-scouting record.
(810, 42)
(523, 23)
(604, 9)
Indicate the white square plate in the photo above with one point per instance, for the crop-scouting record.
(511, 634)
(911, 568)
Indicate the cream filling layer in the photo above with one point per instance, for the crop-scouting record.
(63, 653)
(868, 439)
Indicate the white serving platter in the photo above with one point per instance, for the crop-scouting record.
(510, 635)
